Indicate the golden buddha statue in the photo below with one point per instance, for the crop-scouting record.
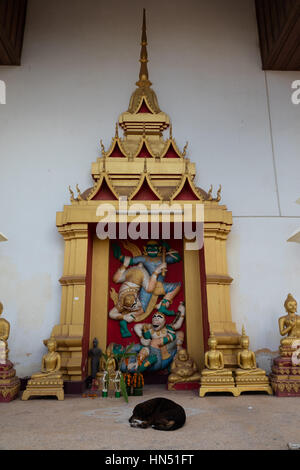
(248, 376)
(9, 383)
(285, 376)
(4, 335)
(246, 359)
(215, 378)
(107, 364)
(51, 363)
(289, 326)
(183, 370)
(49, 380)
(214, 361)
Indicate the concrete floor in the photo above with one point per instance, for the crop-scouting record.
(250, 421)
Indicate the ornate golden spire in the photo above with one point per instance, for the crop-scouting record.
(144, 75)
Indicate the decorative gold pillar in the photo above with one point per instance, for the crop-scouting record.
(193, 303)
(217, 226)
(70, 331)
(100, 294)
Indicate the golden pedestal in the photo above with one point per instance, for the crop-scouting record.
(218, 383)
(253, 383)
(9, 383)
(43, 388)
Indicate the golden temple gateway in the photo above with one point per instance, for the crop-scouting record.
(142, 165)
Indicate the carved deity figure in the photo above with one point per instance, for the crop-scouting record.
(4, 335)
(142, 283)
(162, 341)
(214, 361)
(246, 359)
(51, 363)
(289, 325)
(128, 306)
(183, 369)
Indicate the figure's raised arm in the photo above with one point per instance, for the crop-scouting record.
(284, 330)
(172, 256)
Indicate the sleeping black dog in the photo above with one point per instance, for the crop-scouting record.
(160, 413)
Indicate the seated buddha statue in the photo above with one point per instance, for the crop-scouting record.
(49, 381)
(183, 369)
(246, 359)
(214, 362)
(289, 325)
(4, 335)
(51, 363)
(248, 377)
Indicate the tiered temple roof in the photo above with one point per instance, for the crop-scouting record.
(142, 164)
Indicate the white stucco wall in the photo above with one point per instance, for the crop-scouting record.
(80, 64)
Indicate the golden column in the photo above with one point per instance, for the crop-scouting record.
(217, 226)
(70, 331)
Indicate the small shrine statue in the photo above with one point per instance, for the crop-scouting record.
(214, 361)
(4, 335)
(246, 359)
(248, 377)
(184, 372)
(133, 368)
(49, 380)
(285, 377)
(215, 378)
(9, 383)
(108, 369)
(289, 326)
(95, 354)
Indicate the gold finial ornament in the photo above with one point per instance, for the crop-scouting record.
(102, 149)
(144, 75)
(185, 149)
(117, 131)
(72, 199)
(218, 198)
(210, 198)
(79, 193)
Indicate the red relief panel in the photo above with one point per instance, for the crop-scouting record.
(175, 273)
